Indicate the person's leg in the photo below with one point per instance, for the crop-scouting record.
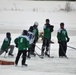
(24, 57)
(43, 47)
(11, 47)
(33, 46)
(65, 48)
(1, 52)
(60, 50)
(17, 57)
(47, 46)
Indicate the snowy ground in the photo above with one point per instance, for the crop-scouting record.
(46, 66)
(23, 18)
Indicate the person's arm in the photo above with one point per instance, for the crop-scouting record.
(16, 42)
(59, 36)
(28, 45)
(68, 39)
(9, 41)
(27, 42)
(37, 35)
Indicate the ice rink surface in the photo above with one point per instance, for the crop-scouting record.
(16, 21)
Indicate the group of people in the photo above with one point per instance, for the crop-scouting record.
(26, 42)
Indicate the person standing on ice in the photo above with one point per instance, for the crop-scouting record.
(22, 43)
(63, 38)
(35, 32)
(6, 45)
(31, 39)
(48, 29)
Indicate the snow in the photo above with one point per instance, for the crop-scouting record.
(46, 66)
(22, 18)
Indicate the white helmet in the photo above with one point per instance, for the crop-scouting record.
(36, 23)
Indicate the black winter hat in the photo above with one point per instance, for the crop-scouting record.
(8, 33)
(61, 23)
(47, 20)
(24, 32)
(31, 28)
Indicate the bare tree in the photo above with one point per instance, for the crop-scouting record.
(68, 7)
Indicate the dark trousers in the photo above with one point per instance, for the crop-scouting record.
(23, 52)
(33, 46)
(29, 50)
(11, 47)
(46, 44)
(62, 48)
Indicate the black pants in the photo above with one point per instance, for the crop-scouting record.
(33, 46)
(46, 44)
(23, 52)
(62, 48)
(29, 50)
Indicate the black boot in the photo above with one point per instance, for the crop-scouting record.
(10, 54)
(24, 65)
(46, 54)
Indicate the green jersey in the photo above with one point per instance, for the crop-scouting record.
(22, 42)
(47, 32)
(35, 31)
(5, 44)
(62, 35)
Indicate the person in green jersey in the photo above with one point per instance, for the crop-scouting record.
(48, 29)
(22, 43)
(63, 38)
(6, 45)
(36, 34)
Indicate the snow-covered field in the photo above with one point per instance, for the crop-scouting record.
(22, 18)
(46, 66)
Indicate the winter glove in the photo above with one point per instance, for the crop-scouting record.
(68, 39)
(51, 28)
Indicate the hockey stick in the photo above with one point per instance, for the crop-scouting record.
(72, 47)
(64, 52)
(38, 55)
(49, 50)
(38, 47)
(47, 55)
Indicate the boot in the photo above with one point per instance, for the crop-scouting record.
(10, 54)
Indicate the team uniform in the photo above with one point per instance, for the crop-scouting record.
(35, 32)
(48, 29)
(6, 45)
(22, 42)
(31, 39)
(63, 38)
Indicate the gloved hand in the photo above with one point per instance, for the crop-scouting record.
(68, 39)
